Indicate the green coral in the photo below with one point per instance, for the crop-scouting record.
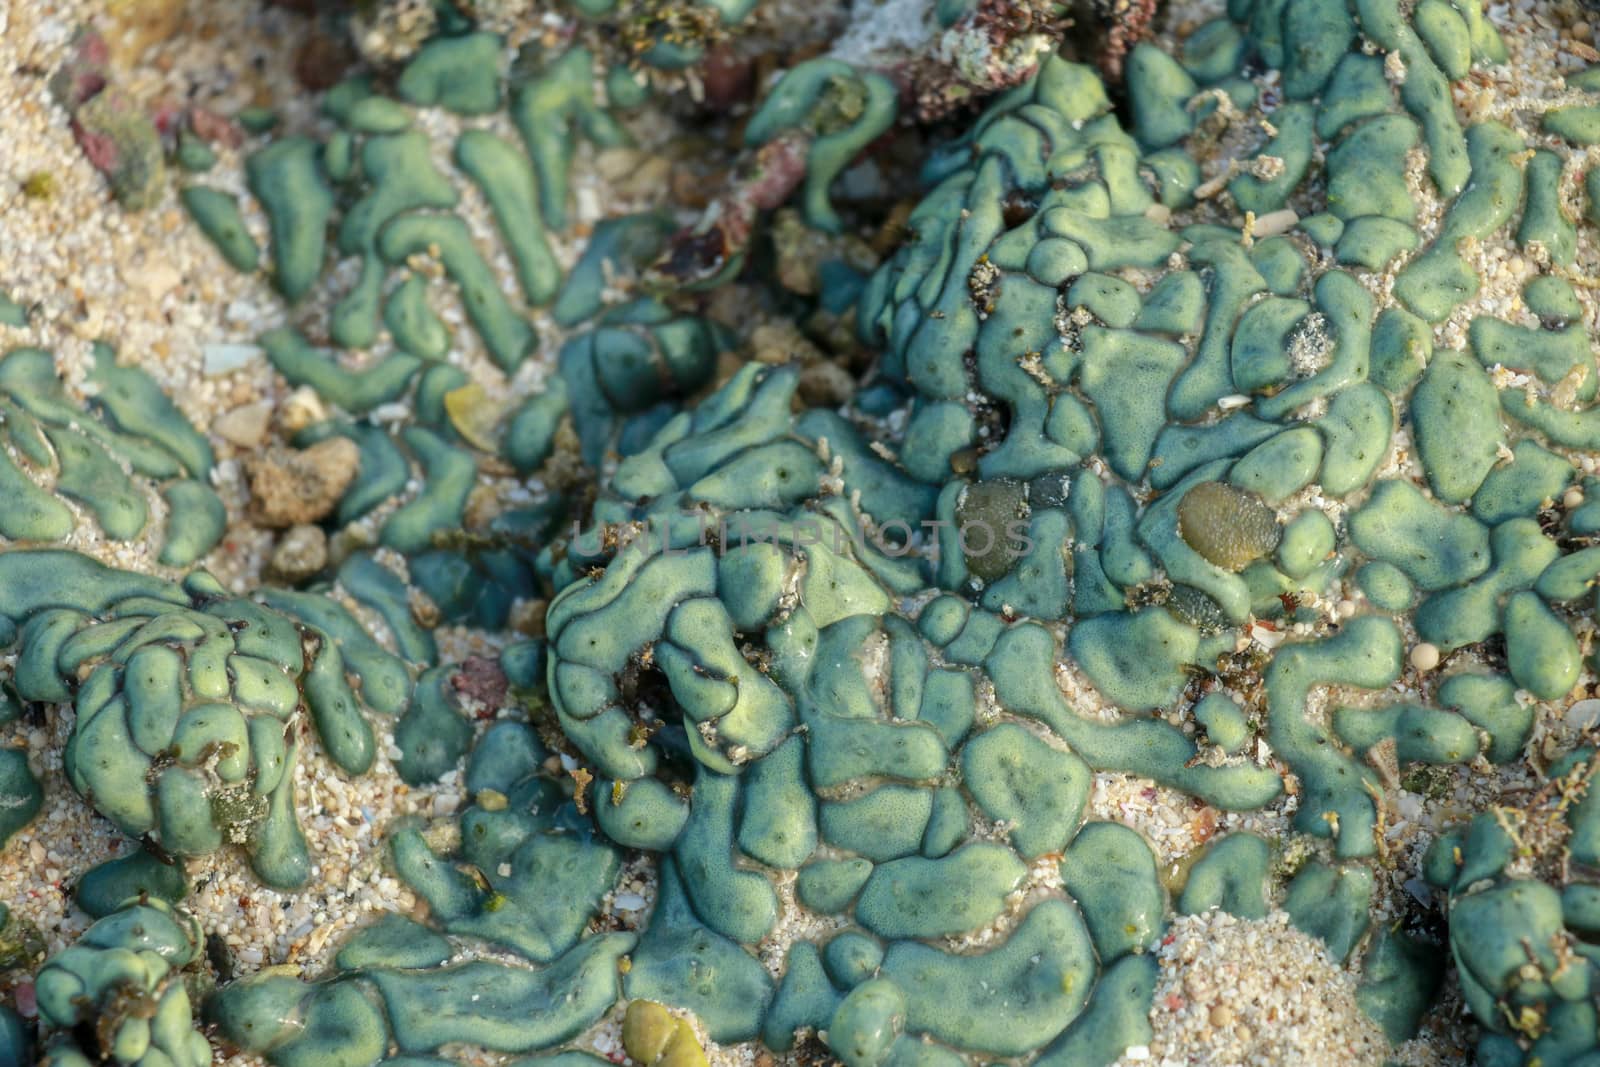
(111, 456)
(119, 993)
(187, 702)
(773, 646)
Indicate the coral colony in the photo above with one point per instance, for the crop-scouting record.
(1190, 452)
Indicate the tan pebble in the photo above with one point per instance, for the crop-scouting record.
(293, 486)
(1573, 498)
(302, 409)
(155, 279)
(483, 504)
(1221, 1016)
(244, 426)
(825, 385)
(302, 552)
(781, 341)
(527, 617)
(615, 163)
(654, 173)
(1425, 657)
(1274, 223)
(423, 609)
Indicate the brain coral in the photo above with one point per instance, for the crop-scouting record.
(1191, 456)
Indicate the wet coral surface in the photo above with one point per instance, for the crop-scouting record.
(721, 532)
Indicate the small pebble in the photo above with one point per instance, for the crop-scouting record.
(1275, 222)
(245, 426)
(301, 552)
(292, 486)
(220, 357)
(1583, 714)
(1425, 657)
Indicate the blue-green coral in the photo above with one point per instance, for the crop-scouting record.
(108, 458)
(120, 993)
(188, 701)
(375, 186)
(774, 649)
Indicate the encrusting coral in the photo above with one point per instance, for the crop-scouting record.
(1169, 468)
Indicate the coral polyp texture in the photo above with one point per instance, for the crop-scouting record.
(912, 536)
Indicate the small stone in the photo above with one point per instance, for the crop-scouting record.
(480, 681)
(1275, 222)
(1228, 526)
(1221, 1016)
(301, 552)
(826, 384)
(291, 486)
(40, 185)
(1584, 714)
(136, 25)
(527, 617)
(122, 143)
(83, 74)
(302, 409)
(322, 59)
(1425, 657)
(155, 279)
(222, 357)
(244, 426)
